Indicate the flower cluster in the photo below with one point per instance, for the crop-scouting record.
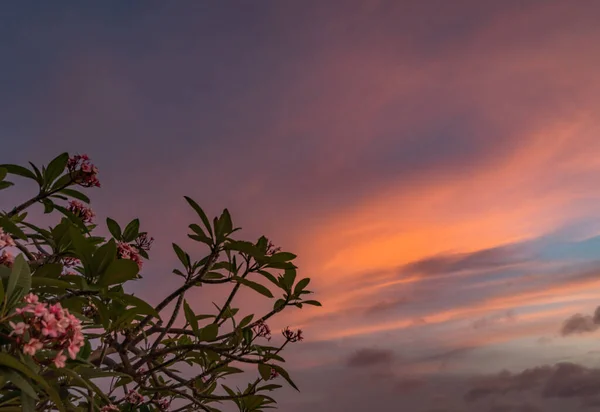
(134, 397)
(83, 172)
(126, 251)
(271, 249)
(261, 330)
(80, 210)
(48, 327)
(110, 408)
(164, 404)
(292, 336)
(274, 374)
(143, 242)
(6, 258)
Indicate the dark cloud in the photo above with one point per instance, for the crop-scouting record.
(385, 306)
(484, 259)
(579, 323)
(560, 381)
(369, 357)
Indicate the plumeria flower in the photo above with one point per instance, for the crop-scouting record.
(60, 359)
(19, 328)
(110, 408)
(31, 347)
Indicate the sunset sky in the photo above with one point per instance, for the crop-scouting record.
(435, 164)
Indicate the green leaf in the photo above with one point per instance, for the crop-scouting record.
(285, 375)
(289, 277)
(19, 381)
(183, 257)
(279, 304)
(82, 245)
(19, 171)
(76, 195)
(19, 282)
(9, 226)
(11, 362)
(246, 321)
(282, 257)
(5, 185)
(62, 182)
(245, 247)
(200, 213)
(131, 231)
(265, 371)
(200, 235)
(27, 402)
(301, 285)
(37, 282)
(311, 302)
(190, 317)
(113, 228)
(51, 270)
(55, 168)
(141, 305)
(119, 271)
(209, 332)
(104, 256)
(224, 225)
(3, 173)
(253, 285)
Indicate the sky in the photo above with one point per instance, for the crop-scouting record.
(434, 165)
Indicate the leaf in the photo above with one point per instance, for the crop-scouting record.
(245, 247)
(5, 185)
(3, 173)
(113, 228)
(224, 225)
(11, 362)
(301, 285)
(253, 285)
(183, 257)
(141, 305)
(19, 282)
(131, 231)
(51, 270)
(55, 168)
(265, 371)
(200, 213)
(282, 257)
(19, 381)
(119, 271)
(62, 182)
(104, 256)
(312, 302)
(19, 171)
(200, 235)
(285, 375)
(190, 317)
(76, 195)
(9, 226)
(38, 281)
(289, 277)
(209, 332)
(246, 321)
(27, 403)
(81, 245)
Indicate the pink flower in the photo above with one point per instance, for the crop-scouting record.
(126, 251)
(19, 328)
(164, 404)
(83, 172)
(31, 298)
(109, 408)
(73, 350)
(60, 359)
(79, 209)
(134, 397)
(5, 239)
(31, 347)
(7, 259)
(292, 336)
(261, 329)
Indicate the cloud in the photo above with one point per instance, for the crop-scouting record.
(370, 357)
(579, 323)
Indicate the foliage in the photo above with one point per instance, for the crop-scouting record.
(72, 339)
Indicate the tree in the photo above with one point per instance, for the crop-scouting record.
(72, 339)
